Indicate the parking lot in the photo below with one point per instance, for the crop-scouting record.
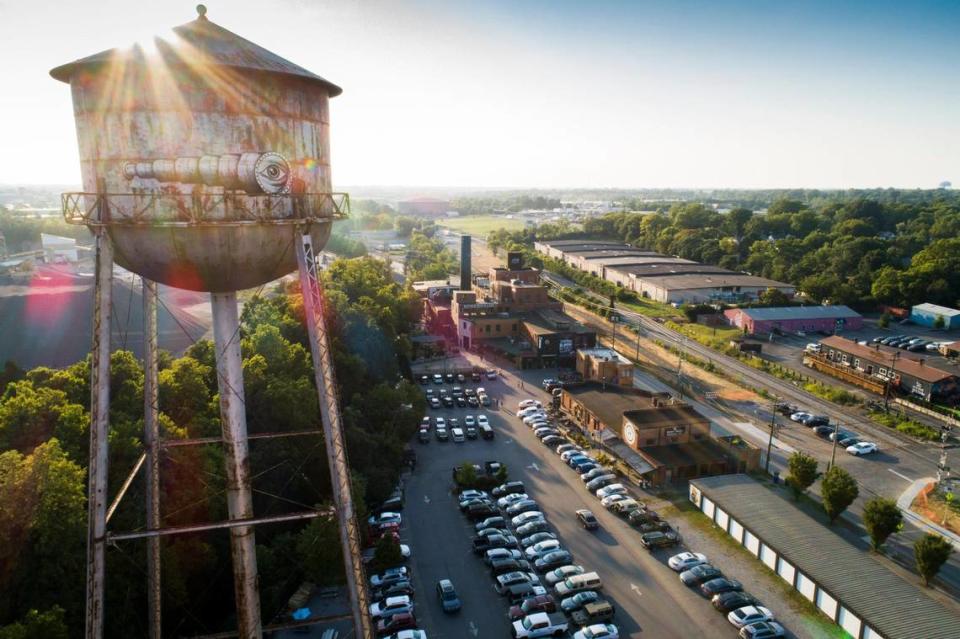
(646, 594)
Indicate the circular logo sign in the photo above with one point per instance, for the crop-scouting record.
(630, 434)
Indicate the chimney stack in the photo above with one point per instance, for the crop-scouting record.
(465, 267)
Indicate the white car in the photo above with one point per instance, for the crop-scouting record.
(749, 614)
(607, 502)
(482, 420)
(527, 403)
(501, 553)
(470, 493)
(598, 631)
(409, 634)
(559, 574)
(526, 518)
(385, 518)
(481, 390)
(686, 561)
(862, 448)
(469, 420)
(534, 417)
(541, 548)
(570, 452)
(799, 416)
(503, 502)
(441, 422)
(529, 410)
(391, 606)
(612, 489)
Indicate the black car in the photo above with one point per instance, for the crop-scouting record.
(461, 401)
(475, 376)
(848, 441)
(823, 431)
(817, 420)
(481, 511)
(483, 544)
(449, 378)
(719, 585)
(508, 488)
(461, 378)
(553, 440)
(492, 522)
(700, 574)
(473, 402)
(424, 379)
(503, 566)
(448, 401)
(395, 589)
(424, 436)
(727, 601)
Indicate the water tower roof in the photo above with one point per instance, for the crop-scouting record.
(201, 42)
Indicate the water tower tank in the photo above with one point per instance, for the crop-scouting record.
(202, 155)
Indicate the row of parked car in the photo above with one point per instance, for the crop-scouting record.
(599, 480)
(547, 593)
(457, 378)
(743, 610)
(444, 429)
(908, 343)
(821, 426)
(457, 397)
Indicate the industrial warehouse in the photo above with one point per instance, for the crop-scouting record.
(847, 585)
(663, 278)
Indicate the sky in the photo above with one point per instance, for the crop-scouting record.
(555, 94)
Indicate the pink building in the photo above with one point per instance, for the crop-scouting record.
(793, 319)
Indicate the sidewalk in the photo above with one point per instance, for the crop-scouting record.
(907, 497)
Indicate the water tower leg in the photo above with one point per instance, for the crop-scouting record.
(233, 418)
(151, 436)
(99, 435)
(333, 434)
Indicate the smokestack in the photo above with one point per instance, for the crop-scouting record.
(465, 270)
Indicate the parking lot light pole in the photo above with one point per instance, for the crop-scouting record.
(836, 438)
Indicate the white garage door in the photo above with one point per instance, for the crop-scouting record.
(708, 507)
(826, 603)
(736, 530)
(751, 542)
(786, 570)
(806, 586)
(870, 633)
(768, 556)
(722, 518)
(849, 622)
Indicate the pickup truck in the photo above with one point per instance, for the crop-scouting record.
(653, 540)
(596, 612)
(540, 624)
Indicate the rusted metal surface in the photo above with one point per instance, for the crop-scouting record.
(125, 486)
(233, 421)
(199, 42)
(99, 438)
(223, 525)
(212, 129)
(151, 441)
(313, 302)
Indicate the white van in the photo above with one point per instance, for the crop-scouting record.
(813, 348)
(577, 583)
(457, 434)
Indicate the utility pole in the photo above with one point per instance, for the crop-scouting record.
(637, 357)
(943, 470)
(773, 425)
(890, 378)
(836, 438)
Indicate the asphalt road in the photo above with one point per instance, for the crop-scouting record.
(646, 593)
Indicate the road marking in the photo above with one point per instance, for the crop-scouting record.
(534, 466)
(636, 589)
(508, 441)
(473, 629)
(899, 475)
(426, 499)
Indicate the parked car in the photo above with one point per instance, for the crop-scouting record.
(489, 542)
(539, 603)
(552, 440)
(608, 502)
(593, 473)
(824, 430)
(495, 554)
(481, 511)
(403, 587)
(612, 489)
(561, 573)
(653, 540)
(626, 506)
(384, 518)
(699, 574)
(391, 606)
(447, 595)
(503, 582)
(423, 436)
(482, 420)
(527, 403)
(732, 600)
(536, 538)
(598, 631)
(395, 623)
(763, 630)
(576, 583)
(552, 560)
(390, 575)
(520, 507)
(686, 561)
(840, 435)
(516, 594)
(749, 615)
(491, 522)
(529, 528)
(541, 548)
(508, 488)
(587, 519)
(799, 416)
(562, 448)
(719, 585)
(565, 455)
(511, 499)
(442, 434)
(540, 624)
(503, 566)
(526, 518)
(599, 481)
(862, 448)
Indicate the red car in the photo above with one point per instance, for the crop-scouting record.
(396, 623)
(539, 603)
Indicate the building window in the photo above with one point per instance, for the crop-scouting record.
(883, 372)
(498, 328)
(856, 363)
(488, 328)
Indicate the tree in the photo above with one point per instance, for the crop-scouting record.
(838, 490)
(884, 320)
(774, 297)
(931, 552)
(386, 554)
(939, 323)
(882, 518)
(466, 476)
(49, 624)
(803, 472)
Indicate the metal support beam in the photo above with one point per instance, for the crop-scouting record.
(233, 419)
(151, 441)
(199, 441)
(313, 303)
(99, 435)
(195, 528)
(125, 487)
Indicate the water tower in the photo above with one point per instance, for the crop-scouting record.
(206, 166)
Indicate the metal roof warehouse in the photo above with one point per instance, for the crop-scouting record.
(846, 584)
